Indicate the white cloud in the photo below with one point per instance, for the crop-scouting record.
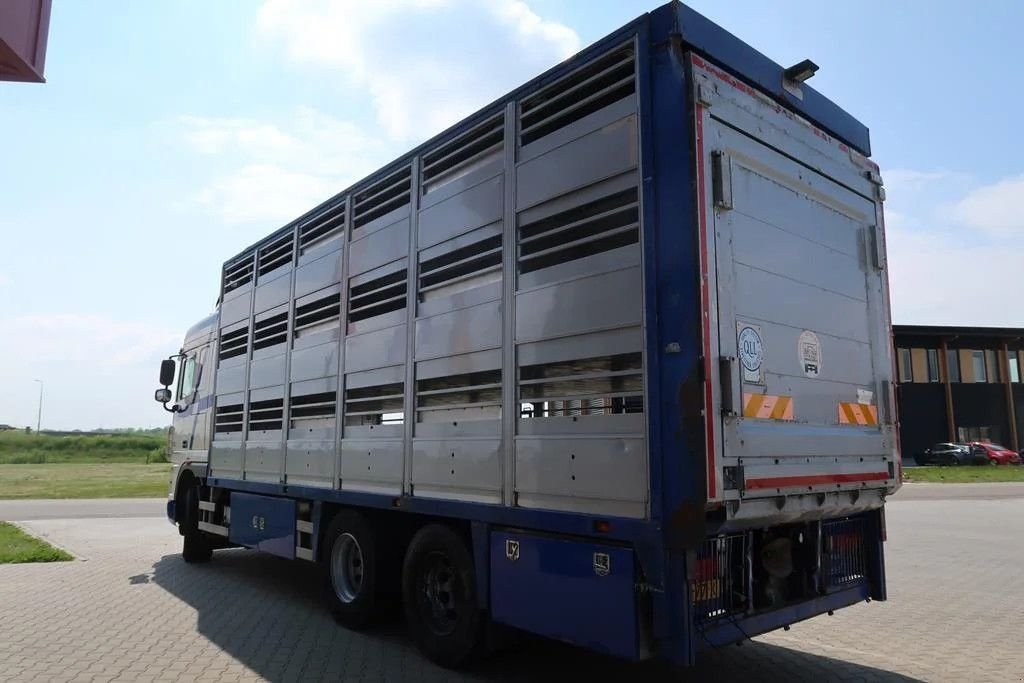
(4, 280)
(997, 209)
(281, 170)
(98, 370)
(953, 249)
(72, 337)
(265, 192)
(425, 63)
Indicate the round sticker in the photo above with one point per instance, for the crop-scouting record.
(809, 353)
(750, 349)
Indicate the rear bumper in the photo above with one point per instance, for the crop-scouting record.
(737, 629)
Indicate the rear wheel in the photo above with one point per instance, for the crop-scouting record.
(350, 555)
(439, 595)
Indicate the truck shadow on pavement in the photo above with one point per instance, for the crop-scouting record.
(268, 614)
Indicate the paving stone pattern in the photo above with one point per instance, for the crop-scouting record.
(130, 610)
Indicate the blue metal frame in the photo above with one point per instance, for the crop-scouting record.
(678, 476)
(732, 630)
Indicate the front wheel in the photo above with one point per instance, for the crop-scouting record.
(439, 595)
(196, 547)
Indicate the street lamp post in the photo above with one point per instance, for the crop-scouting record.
(39, 415)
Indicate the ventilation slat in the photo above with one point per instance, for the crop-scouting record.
(237, 274)
(464, 153)
(376, 405)
(470, 396)
(313, 410)
(276, 254)
(383, 197)
(270, 331)
(459, 264)
(266, 415)
(602, 225)
(326, 224)
(318, 315)
(604, 385)
(234, 343)
(376, 297)
(581, 93)
(228, 418)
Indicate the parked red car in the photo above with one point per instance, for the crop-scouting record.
(997, 455)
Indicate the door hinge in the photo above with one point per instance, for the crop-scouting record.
(721, 180)
(876, 247)
(727, 376)
(733, 478)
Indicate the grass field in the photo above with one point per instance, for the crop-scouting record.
(17, 546)
(89, 480)
(19, 448)
(963, 475)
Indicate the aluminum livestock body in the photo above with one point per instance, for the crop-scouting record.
(609, 361)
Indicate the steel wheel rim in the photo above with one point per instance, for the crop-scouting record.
(347, 567)
(438, 586)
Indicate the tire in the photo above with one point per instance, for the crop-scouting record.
(196, 547)
(953, 461)
(993, 462)
(439, 595)
(350, 564)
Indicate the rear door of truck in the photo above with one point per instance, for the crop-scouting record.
(795, 294)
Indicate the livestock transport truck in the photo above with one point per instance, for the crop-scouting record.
(609, 361)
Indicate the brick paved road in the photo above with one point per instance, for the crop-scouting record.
(129, 609)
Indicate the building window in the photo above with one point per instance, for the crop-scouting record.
(988, 433)
(978, 366)
(906, 367)
(992, 363)
(933, 366)
(953, 365)
(1011, 360)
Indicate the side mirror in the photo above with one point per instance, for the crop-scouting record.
(167, 372)
(162, 395)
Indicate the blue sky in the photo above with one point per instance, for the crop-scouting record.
(173, 133)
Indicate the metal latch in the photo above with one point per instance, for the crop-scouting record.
(721, 180)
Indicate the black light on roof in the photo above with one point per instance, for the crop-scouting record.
(800, 72)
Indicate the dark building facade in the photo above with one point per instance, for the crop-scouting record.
(24, 26)
(959, 384)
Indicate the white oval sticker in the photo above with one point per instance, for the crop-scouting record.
(751, 349)
(809, 353)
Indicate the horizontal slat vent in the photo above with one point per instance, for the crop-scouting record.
(324, 225)
(472, 396)
(382, 197)
(238, 273)
(234, 343)
(376, 297)
(462, 267)
(469, 151)
(266, 415)
(606, 385)
(601, 225)
(270, 331)
(377, 405)
(318, 315)
(228, 419)
(313, 410)
(583, 92)
(276, 254)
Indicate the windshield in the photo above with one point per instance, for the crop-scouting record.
(997, 447)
